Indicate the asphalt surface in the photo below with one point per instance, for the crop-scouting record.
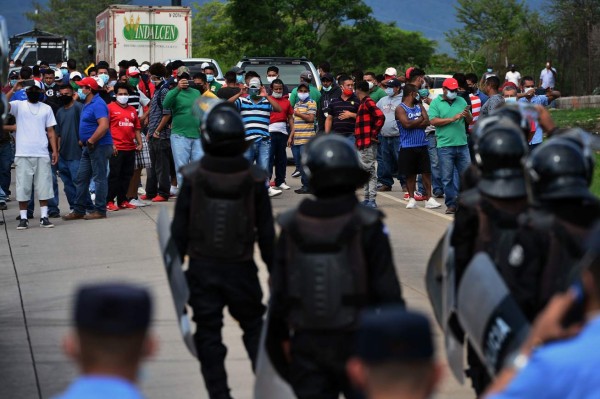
(40, 268)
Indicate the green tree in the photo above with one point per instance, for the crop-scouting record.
(211, 34)
(72, 19)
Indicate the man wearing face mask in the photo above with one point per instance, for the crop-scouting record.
(513, 75)
(281, 125)
(389, 139)
(495, 100)
(329, 91)
(528, 96)
(341, 113)
(35, 130)
(107, 94)
(448, 114)
(489, 72)
(211, 79)
(67, 131)
(315, 95)
(201, 85)
(272, 74)
(231, 85)
(375, 92)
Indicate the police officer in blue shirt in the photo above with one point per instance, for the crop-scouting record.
(110, 340)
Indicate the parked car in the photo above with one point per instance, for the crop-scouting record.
(436, 89)
(289, 69)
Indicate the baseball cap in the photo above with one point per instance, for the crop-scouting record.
(58, 75)
(183, 69)
(393, 83)
(328, 77)
(254, 83)
(450, 83)
(75, 74)
(508, 84)
(132, 71)
(408, 71)
(306, 75)
(64, 65)
(237, 70)
(394, 334)
(112, 308)
(91, 82)
(13, 75)
(303, 84)
(204, 65)
(390, 72)
(144, 67)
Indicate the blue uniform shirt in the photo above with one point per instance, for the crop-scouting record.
(563, 370)
(541, 100)
(90, 114)
(101, 387)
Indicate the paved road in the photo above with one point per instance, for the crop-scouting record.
(39, 269)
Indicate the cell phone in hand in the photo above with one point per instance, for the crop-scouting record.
(28, 83)
(576, 313)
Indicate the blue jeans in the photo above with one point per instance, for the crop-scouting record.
(387, 160)
(436, 176)
(185, 151)
(93, 165)
(52, 202)
(297, 151)
(259, 151)
(6, 159)
(278, 157)
(68, 173)
(451, 158)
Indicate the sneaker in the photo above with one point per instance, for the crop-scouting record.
(432, 204)
(273, 192)
(73, 216)
(174, 191)
(159, 198)
(420, 197)
(127, 205)
(412, 203)
(112, 207)
(451, 210)
(45, 222)
(23, 224)
(138, 203)
(94, 215)
(283, 186)
(371, 204)
(3, 206)
(141, 191)
(384, 188)
(296, 173)
(302, 190)
(54, 215)
(439, 194)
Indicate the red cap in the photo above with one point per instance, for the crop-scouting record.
(91, 82)
(508, 84)
(408, 71)
(450, 83)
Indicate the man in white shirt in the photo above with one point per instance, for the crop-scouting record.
(35, 128)
(513, 75)
(548, 76)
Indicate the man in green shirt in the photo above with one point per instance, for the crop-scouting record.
(375, 92)
(314, 93)
(185, 127)
(210, 70)
(448, 114)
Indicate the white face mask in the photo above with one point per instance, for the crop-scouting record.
(122, 99)
(370, 85)
(451, 95)
(303, 96)
(277, 95)
(270, 79)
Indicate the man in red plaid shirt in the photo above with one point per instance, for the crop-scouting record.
(369, 121)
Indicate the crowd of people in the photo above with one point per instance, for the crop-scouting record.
(110, 124)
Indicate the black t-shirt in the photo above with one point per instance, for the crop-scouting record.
(226, 93)
(52, 94)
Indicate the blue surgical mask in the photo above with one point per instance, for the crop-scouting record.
(104, 78)
(253, 92)
(451, 95)
(64, 71)
(80, 94)
(13, 82)
(389, 91)
(210, 78)
(239, 78)
(489, 70)
(327, 88)
(510, 99)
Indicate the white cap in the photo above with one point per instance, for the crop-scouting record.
(144, 67)
(98, 80)
(74, 74)
(391, 72)
(132, 71)
(64, 65)
(204, 65)
(58, 75)
(254, 83)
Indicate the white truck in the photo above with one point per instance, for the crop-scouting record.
(146, 33)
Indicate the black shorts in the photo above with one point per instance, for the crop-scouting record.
(413, 161)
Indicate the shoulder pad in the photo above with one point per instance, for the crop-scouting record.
(286, 218)
(188, 171)
(257, 173)
(470, 198)
(368, 216)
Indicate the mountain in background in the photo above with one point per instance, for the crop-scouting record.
(431, 17)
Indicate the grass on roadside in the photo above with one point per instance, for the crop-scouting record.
(588, 119)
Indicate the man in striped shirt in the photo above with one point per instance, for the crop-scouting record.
(303, 130)
(369, 121)
(413, 158)
(256, 112)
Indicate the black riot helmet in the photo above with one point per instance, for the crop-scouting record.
(332, 166)
(500, 153)
(222, 131)
(556, 170)
(520, 114)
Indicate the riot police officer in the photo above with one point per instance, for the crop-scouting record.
(332, 259)
(222, 209)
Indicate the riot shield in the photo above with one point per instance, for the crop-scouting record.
(176, 278)
(491, 318)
